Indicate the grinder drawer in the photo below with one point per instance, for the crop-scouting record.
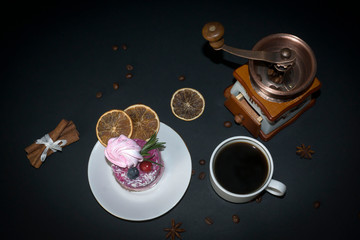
(244, 114)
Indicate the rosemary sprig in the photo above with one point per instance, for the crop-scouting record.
(148, 159)
(150, 145)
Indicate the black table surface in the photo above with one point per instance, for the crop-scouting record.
(56, 56)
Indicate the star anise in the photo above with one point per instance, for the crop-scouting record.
(174, 230)
(304, 151)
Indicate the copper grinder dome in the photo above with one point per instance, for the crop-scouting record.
(280, 85)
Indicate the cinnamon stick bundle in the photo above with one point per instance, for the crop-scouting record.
(65, 130)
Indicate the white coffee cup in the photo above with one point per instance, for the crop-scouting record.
(270, 185)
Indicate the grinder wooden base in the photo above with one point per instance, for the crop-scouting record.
(245, 114)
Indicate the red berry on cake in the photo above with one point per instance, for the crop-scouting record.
(146, 166)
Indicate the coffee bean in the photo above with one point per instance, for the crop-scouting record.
(202, 175)
(202, 162)
(115, 47)
(208, 221)
(270, 72)
(181, 77)
(227, 124)
(129, 67)
(193, 172)
(98, 94)
(277, 79)
(258, 199)
(235, 218)
(124, 47)
(316, 204)
(115, 85)
(129, 75)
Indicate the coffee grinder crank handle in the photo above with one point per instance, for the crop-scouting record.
(214, 33)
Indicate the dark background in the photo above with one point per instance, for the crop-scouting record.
(56, 56)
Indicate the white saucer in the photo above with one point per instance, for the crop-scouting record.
(140, 206)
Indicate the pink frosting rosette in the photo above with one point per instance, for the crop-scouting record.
(123, 152)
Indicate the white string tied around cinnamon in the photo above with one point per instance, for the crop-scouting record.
(50, 144)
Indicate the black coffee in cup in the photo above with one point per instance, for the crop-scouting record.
(241, 167)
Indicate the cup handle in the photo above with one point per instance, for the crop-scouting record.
(276, 188)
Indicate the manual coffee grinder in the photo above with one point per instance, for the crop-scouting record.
(275, 87)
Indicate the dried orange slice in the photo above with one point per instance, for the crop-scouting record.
(112, 124)
(187, 104)
(145, 121)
